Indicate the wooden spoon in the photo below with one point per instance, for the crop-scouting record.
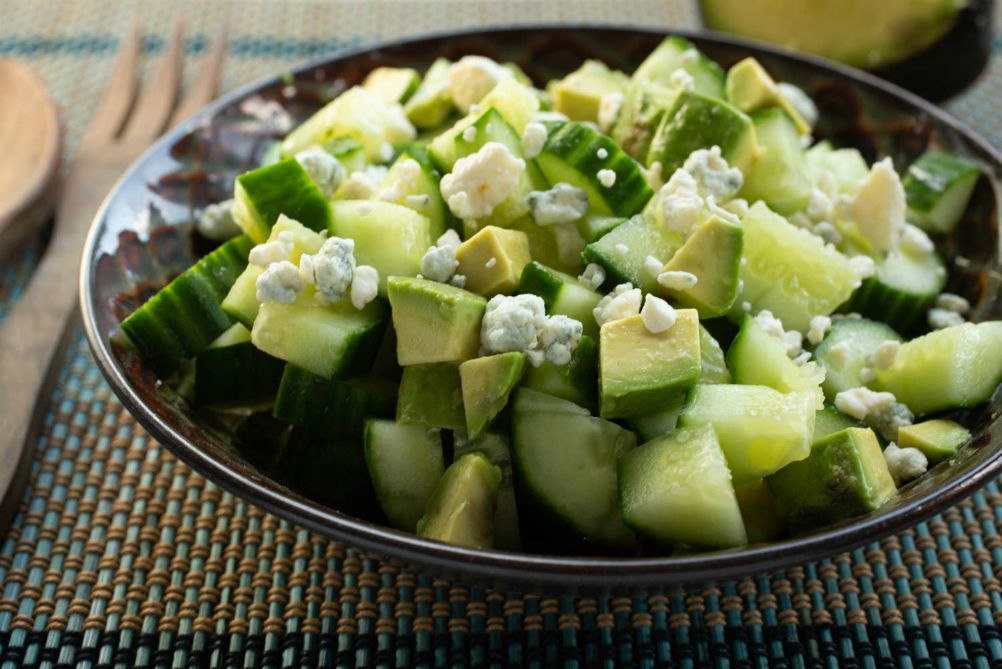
(31, 137)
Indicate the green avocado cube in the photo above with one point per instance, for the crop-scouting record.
(392, 84)
(431, 395)
(434, 322)
(750, 88)
(462, 507)
(761, 521)
(486, 384)
(579, 94)
(262, 195)
(844, 476)
(938, 439)
(713, 255)
(641, 371)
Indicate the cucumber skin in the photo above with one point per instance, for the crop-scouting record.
(576, 382)
(403, 507)
(285, 188)
(902, 310)
(186, 316)
(778, 175)
(863, 336)
(931, 178)
(236, 376)
(338, 408)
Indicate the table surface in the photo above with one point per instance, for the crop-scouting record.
(122, 556)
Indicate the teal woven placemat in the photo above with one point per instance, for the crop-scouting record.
(122, 557)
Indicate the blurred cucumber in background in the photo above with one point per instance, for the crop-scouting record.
(932, 47)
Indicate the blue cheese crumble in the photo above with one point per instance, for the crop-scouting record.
(480, 182)
(563, 203)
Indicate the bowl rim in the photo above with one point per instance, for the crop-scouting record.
(516, 568)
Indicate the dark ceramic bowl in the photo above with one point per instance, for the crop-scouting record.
(142, 237)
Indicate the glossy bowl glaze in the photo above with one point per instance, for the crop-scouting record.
(142, 237)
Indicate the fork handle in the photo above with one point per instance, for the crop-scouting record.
(33, 339)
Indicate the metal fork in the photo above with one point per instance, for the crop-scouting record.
(33, 340)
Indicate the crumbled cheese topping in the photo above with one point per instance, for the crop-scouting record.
(681, 80)
(331, 269)
(519, 323)
(458, 280)
(677, 280)
(622, 248)
(533, 139)
(606, 177)
(653, 265)
(940, 319)
(364, 285)
(863, 266)
(681, 202)
(593, 276)
(713, 175)
(738, 207)
(558, 338)
(439, 261)
(608, 109)
(828, 233)
(363, 208)
(915, 241)
(491, 262)
(879, 206)
(417, 201)
(602, 154)
(470, 134)
(325, 170)
(880, 410)
(653, 175)
(838, 354)
(386, 152)
(481, 181)
(362, 185)
(563, 203)
(473, 77)
(279, 282)
(274, 251)
(801, 102)
(746, 306)
(552, 116)
(867, 374)
(658, 315)
(802, 359)
(883, 356)
(773, 326)
(216, 222)
(622, 302)
(819, 327)
(952, 302)
(905, 464)
(819, 206)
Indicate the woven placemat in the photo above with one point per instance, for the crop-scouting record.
(122, 557)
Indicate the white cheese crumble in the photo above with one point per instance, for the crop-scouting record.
(606, 177)
(677, 280)
(880, 410)
(792, 340)
(608, 109)
(819, 206)
(325, 170)
(827, 232)
(470, 134)
(216, 222)
(417, 201)
(738, 206)
(680, 202)
(653, 265)
(803, 358)
(713, 175)
(602, 154)
(883, 356)
(593, 276)
(622, 302)
(838, 354)
(746, 306)
(681, 80)
(331, 269)
(658, 315)
(519, 323)
(819, 327)
(481, 181)
(863, 266)
(867, 374)
(558, 337)
(362, 185)
(952, 302)
(364, 285)
(552, 116)
(940, 319)
(563, 203)
(385, 152)
(915, 241)
(905, 464)
(473, 77)
(622, 248)
(280, 282)
(533, 139)
(879, 206)
(274, 251)
(491, 262)
(458, 280)
(363, 208)
(439, 261)
(800, 101)
(653, 175)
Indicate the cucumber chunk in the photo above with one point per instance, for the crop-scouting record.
(790, 271)
(902, 291)
(853, 341)
(577, 381)
(418, 190)
(711, 357)
(392, 84)
(845, 476)
(562, 294)
(830, 420)
(405, 463)
(759, 429)
(778, 175)
(187, 315)
(565, 467)
(334, 408)
(431, 395)
(623, 252)
(938, 187)
(937, 439)
(677, 489)
(462, 507)
(847, 166)
(679, 53)
(262, 195)
(959, 366)
(236, 376)
(507, 535)
(713, 255)
(575, 154)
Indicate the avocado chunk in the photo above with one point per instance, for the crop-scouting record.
(697, 121)
(392, 84)
(761, 520)
(677, 489)
(641, 371)
(486, 384)
(577, 381)
(844, 476)
(492, 260)
(431, 395)
(461, 510)
(713, 254)
(434, 322)
(579, 94)
(678, 53)
(262, 195)
(644, 105)
(750, 88)
(938, 439)
(507, 533)
(431, 104)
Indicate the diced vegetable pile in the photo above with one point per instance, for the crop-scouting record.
(497, 316)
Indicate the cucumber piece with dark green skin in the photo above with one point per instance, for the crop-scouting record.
(405, 463)
(830, 420)
(562, 294)
(657, 424)
(860, 337)
(186, 315)
(329, 468)
(338, 407)
(593, 228)
(236, 376)
(778, 174)
(902, 291)
(623, 252)
(575, 154)
(261, 195)
(756, 358)
(938, 187)
(507, 535)
(427, 197)
(697, 121)
(679, 53)
(577, 381)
